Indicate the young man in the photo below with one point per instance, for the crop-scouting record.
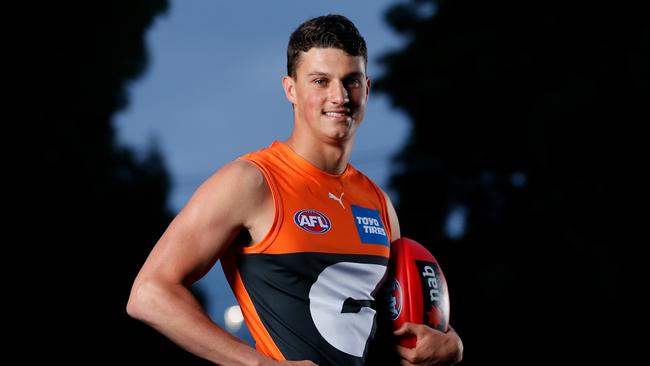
(303, 237)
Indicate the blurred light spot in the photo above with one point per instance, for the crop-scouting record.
(427, 9)
(456, 222)
(233, 318)
(518, 179)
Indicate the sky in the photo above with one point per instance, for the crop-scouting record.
(212, 92)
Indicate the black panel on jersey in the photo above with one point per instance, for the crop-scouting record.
(382, 348)
(279, 285)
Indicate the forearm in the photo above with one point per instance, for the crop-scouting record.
(173, 311)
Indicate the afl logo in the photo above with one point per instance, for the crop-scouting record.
(394, 298)
(312, 221)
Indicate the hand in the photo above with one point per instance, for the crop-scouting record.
(266, 361)
(294, 363)
(432, 347)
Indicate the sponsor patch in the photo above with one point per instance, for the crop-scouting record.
(371, 229)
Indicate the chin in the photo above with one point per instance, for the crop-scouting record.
(340, 135)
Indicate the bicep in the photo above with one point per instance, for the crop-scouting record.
(206, 226)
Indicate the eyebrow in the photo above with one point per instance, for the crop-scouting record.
(352, 74)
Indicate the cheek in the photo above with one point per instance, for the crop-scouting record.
(313, 102)
(359, 97)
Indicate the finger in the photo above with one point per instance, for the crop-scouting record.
(404, 329)
(451, 330)
(403, 362)
(406, 353)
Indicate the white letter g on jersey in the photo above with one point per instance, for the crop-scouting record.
(339, 304)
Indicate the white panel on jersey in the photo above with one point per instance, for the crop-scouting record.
(349, 331)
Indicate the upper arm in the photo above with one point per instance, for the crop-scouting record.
(206, 226)
(392, 218)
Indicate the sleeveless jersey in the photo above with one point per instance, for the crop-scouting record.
(307, 290)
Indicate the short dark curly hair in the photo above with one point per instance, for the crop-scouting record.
(329, 31)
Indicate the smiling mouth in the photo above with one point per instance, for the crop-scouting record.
(343, 113)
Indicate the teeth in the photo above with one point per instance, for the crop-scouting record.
(334, 114)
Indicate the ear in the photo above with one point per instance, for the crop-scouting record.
(367, 88)
(289, 86)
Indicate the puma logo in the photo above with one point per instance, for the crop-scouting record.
(339, 199)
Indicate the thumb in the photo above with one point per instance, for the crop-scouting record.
(406, 328)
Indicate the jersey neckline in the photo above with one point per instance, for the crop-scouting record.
(306, 166)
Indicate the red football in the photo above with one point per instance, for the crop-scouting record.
(416, 288)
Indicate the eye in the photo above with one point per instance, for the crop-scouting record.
(320, 82)
(353, 83)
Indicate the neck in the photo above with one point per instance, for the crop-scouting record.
(331, 158)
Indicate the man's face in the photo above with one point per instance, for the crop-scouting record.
(329, 93)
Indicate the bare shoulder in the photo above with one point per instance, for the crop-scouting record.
(238, 177)
(238, 173)
(392, 216)
(233, 191)
(206, 226)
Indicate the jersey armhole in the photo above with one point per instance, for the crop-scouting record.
(384, 210)
(268, 239)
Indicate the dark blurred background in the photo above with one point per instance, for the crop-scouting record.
(524, 118)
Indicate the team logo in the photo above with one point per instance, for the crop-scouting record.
(394, 298)
(312, 221)
(340, 304)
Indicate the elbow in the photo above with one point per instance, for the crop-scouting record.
(132, 308)
(137, 306)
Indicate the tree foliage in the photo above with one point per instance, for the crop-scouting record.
(91, 209)
(521, 116)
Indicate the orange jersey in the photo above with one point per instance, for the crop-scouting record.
(307, 290)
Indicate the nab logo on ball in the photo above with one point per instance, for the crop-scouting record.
(312, 221)
(436, 300)
(394, 298)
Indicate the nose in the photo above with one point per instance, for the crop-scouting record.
(339, 94)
